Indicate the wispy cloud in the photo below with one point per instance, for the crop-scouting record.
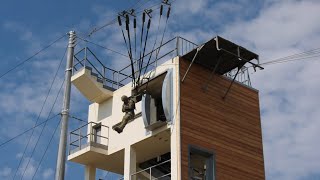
(5, 172)
(48, 173)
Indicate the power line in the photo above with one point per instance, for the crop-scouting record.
(29, 58)
(102, 27)
(38, 118)
(113, 21)
(294, 57)
(24, 132)
(101, 46)
(45, 124)
(45, 152)
(73, 117)
(137, 3)
(299, 56)
(290, 60)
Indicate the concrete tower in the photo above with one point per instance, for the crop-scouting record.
(198, 118)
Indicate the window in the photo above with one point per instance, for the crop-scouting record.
(97, 133)
(201, 164)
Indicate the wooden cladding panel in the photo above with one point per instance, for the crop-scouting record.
(230, 127)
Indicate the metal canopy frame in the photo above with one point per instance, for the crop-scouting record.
(221, 55)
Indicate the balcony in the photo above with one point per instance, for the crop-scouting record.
(88, 135)
(92, 78)
(88, 145)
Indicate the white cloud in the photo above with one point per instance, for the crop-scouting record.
(189, 7)
(47, 173)
(5, 172)
(19, 155)
(27, 171)
(288, 92)
(282, 25)
(24, 34)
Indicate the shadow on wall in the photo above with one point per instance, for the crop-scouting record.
(105, 109)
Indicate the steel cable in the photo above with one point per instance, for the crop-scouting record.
(38, 118)
(45, 124)
(29, 58)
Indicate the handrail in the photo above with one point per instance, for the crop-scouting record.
(148, 53)
(151, 64)
(151, 167)
(96, 57)
(187, 40)
(162, 176)
(120, 77)
(79, 51)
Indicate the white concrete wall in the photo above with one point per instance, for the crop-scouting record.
(109, 113)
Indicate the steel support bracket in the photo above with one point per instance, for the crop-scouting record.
(234, 78)
(212, 73)
(194, 57)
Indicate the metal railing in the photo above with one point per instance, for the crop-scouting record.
(108, 76)
(115, 79)
(177, 46)
(85, 135)
(150, 173)
(243, 75)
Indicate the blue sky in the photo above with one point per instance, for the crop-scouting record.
(289, 93)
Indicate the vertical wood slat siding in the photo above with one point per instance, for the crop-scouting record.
(230, 127)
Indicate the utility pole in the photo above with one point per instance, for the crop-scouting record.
(61, 159)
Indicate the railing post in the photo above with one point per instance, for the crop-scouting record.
(80, 139)
(118, 79)
(108, 136)
(150, 174)
(104, 74)
(112, 79)
(177, 45)
(69, 143)
(90, 132)
(85, 57)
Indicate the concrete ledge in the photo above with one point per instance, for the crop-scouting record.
(89, 86)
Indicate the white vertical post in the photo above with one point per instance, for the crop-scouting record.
(90, 173)
(175, 140)
(129, 163)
